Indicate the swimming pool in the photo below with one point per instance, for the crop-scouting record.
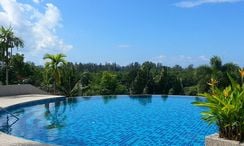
(111, 120)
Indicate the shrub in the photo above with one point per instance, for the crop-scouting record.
(190, 90)
(226, 109)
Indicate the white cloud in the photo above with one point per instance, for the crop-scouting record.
(182, 60)
(36, 28)
(191, 4)
(37, 1)
(204, 58)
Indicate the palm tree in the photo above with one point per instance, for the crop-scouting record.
(216, 63)
(53, 65)
(8, 40)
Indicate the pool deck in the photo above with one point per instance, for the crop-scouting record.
(8, 140)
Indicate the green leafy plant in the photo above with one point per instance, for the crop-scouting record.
(53, 66)
(8, 41)
(226, 108)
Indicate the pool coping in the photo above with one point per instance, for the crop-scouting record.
(215, 140)
(10, 101)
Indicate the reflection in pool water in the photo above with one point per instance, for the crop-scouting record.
(112, 120)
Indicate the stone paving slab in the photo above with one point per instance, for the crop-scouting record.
(8, 140)
(12, 100)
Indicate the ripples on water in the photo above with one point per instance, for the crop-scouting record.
(111, 120)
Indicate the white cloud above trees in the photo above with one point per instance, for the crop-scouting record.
(36, 28)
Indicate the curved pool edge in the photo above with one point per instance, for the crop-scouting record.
(9, 101)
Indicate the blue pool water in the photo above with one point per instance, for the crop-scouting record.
(114, 120)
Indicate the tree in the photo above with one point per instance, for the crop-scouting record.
(17, 69)
(130, 75)
(150, 69)
(139, 83)
(108, 83)
(161, 82)
(8, 41)
(85, 78)
(71, 84)
(233, 70)
(216, 63)
(203, 75)
(53, 66)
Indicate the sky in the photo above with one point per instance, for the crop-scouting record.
(170, 32)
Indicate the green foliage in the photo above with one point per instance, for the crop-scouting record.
(144, 82)
(190, 90)
(53, 67)
(121, 89)
(177, 87)
(148, 78)
(21, 72)
(203, 75)
(8, 41)
(216, 63)
(70, 81)
(108, 83)
(139, 83)
(162, 81)
(226, 109)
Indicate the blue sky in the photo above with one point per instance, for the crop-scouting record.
(124, 31)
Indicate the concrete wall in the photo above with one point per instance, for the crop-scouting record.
(11, 90)
(214, 140)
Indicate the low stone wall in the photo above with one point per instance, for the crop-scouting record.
(214, 140)
(11, 90)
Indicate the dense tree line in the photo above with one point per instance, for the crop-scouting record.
(112, 79)
(74, 79)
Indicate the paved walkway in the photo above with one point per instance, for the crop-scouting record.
(8, 140)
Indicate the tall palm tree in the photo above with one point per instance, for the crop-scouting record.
(8, 41)
(53, 65)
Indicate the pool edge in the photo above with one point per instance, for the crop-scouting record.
(10, 140)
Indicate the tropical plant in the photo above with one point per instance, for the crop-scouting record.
(71, 84)
(46, 80)
(53, 66)
(226, 108)
(8, 41)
